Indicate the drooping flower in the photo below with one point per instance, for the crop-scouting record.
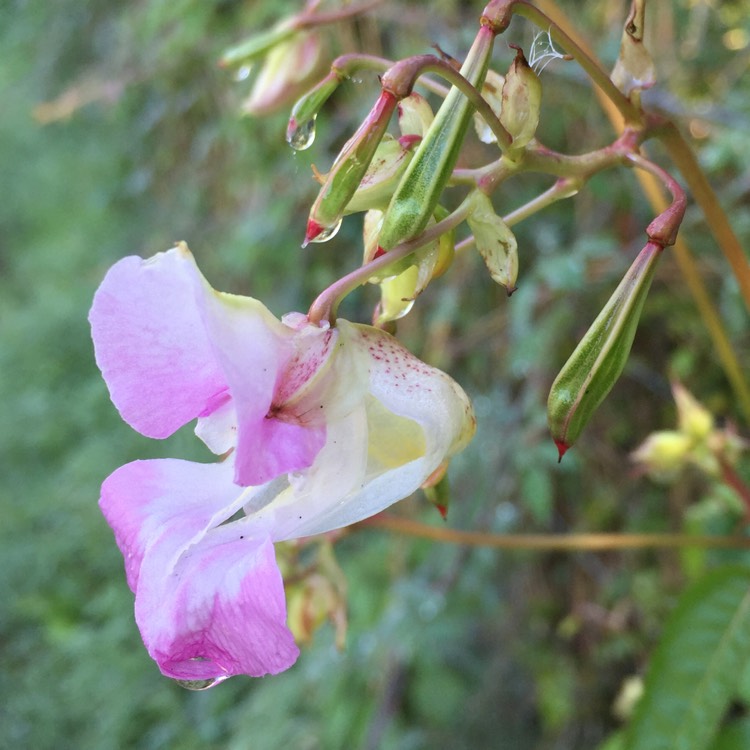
(322, 427)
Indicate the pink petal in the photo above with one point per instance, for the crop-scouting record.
(151, 344)
(209, 598)
(254, 349)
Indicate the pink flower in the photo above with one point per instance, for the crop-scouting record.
(322, 426)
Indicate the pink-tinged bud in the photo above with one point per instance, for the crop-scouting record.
(258, 45)
(287, 71)
(521, 101)
(598, 360)
(634, 69)
(318, 596)
(349, 169)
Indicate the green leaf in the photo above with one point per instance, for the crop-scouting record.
(696, 667)
(735, 736)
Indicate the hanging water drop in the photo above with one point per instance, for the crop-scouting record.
(201, 684)
(242, 73)
(318, 233)
(300, 136)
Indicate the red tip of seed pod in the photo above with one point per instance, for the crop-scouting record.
(443, 510)
(562, 449)
(313, 230)
(379, 253)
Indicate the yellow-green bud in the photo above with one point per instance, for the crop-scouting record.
(414, 115)
(494, 240)
(663, 454)
(693, 419)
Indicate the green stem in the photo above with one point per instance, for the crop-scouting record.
(326, 304)
(401, 78)
(551, 542)
(309, 18)
(598, 75)
(565, 187)
(716, 218)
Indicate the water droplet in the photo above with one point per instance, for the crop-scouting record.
(201, 684)
(327, 233)
(242, 73)
(301, 135)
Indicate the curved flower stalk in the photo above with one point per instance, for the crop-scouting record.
(323, 427)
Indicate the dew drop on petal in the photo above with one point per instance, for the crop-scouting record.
(242, 73)
(300, 136)
(201, 684)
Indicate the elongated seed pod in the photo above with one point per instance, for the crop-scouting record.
(423, 182)
(599, 358)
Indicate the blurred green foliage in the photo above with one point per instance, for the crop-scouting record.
(120, 135)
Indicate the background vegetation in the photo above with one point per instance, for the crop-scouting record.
(120, 135)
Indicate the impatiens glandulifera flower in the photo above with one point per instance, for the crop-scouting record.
(321, 427)
(598, 360)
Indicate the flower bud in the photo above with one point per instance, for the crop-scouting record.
(414, 115)
(318, 596)
(420, 188)
(398, 293)
(693, 419)
(437, 489)
(348, 170)
(495, 242)
(258, 45)
(663, 454)
(593, 368)
(492, 92)
(287, 71)
(521, 101)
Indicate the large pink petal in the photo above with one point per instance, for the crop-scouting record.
(151, 343)
(254, 349)
(209, 598)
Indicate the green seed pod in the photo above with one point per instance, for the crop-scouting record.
(600, 357)
(521, 101)
(495, 242)
(348, 170)
(420, 188)
(380, 180)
